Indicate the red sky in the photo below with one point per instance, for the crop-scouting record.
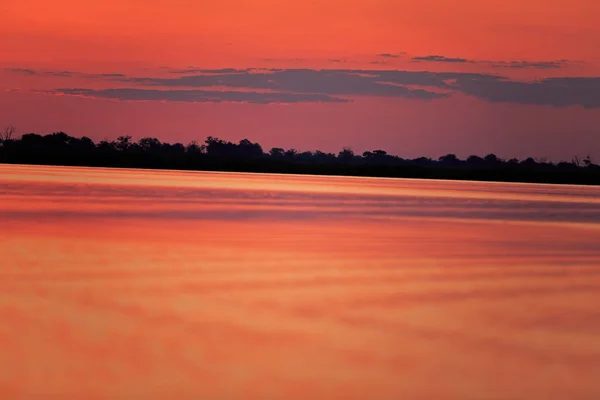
(513, 108)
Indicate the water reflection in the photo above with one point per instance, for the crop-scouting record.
(163, 284)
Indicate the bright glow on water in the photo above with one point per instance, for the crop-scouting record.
(130, 284)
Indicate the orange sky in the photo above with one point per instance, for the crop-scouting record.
(137, 37)
(231, 31)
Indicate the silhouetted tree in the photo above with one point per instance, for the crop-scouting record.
(31, 139)
(8, 133)
(107, 146)
(566, 165)
(423, 161)
(149, 144)
(175, 148)
(219, 148)
(322, 157)
(57, 139)
(305, 156)
(123, 143)
(491, 159)
(194, 148)
(277, 152)
(475, 161)
(346, 155)
(291, 153)
(58, 148)
(248, 149)
(449, 159)
(84, 144)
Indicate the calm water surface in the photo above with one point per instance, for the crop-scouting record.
(129, 284)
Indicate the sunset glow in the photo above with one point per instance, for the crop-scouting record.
(104, 69)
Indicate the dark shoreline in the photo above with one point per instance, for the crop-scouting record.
(60, 149)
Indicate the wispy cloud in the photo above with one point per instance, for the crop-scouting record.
(530, 64)
(61, 73)
(295, 60)
(113, 75)
(390, 55)
(193, 70)
(31, 72)
(263, 86)
(65, 74)
(328, 81)
(558, 92)
(197, 96)
(436, 58)
(24, 71)
(495, 64)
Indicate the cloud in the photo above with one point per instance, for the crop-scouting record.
(60, 73)
(31, 72)
(559, 92)
(390, 55)
(113, 75)
(495, 64)
(436, 58)
(437, 80)
(24, 71)
(263, 86)
(65, 74)
(335, 82)
(197, 96)
(192, 70)
(530, 64)
(297, 60)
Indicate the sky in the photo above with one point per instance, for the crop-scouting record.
(516, 78)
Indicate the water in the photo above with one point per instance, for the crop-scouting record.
(121, 284)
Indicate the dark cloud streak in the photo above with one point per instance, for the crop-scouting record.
(529, 64)
(496, 64)
(329, 81)
(390, 55)
(558, 92)
(65, 74)
(436, 58)
(196, 96)
(264, 86)
(210, 71)
(61, 73)
(24, 71)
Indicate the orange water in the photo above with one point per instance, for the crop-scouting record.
(129, 284)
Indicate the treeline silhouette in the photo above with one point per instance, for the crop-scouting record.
(219, 155)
